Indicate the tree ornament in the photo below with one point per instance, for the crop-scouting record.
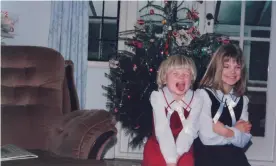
(141, 22)
(204, 49)
(164, 22)
(176, 34)
(151, 11)
(137, 127)
(134, 67)
(193, 15)
(113, 63)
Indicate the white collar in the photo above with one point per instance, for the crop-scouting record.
(229, 97)
(178, 106)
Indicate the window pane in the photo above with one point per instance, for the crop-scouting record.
(228, 15)
(93, 38)
(102, 53)
(257, 111)
(109, 29)
(256, 54)
(260, 33)
(93, 50)
(257, 17)
(97, 6)
(258, 13)
(108, 48)
(110, 8)
(94, 28)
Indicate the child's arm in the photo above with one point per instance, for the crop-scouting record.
(190, 127)
(220, 129)
(206, 132)
(162, 129)
(240, 138)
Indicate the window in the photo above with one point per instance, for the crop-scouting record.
(249, 24)
(103, 29)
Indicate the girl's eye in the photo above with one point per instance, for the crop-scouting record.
(238, 67)
(186, 75)
(226, 66)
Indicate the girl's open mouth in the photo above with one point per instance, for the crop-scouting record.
(180, 86)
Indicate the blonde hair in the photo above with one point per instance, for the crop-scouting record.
(212, 77)
(175, 62)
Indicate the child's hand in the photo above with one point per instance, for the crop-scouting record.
(219, 128)
(243, 126)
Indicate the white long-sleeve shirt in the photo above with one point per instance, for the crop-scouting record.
(206, 133)
(170, 148)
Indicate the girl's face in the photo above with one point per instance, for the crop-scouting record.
(178, 82)
(231, 74)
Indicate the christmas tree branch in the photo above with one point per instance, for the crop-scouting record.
(184, 19)
(149, 3)
(153, 15)
(184, 8)
(180, 4)
(157, 7)
(152, 5)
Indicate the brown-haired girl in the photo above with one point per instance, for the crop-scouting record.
(224, 128)
(176, 109)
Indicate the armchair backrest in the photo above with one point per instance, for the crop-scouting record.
(34, 90)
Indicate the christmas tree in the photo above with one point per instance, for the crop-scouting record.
(133, 73)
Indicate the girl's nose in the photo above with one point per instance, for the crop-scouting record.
(232, 70)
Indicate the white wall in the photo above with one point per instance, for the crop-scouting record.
(34, 22)
(95, 80)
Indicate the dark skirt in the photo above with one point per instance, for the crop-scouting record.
(220, 155)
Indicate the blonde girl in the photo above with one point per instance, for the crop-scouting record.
(176, 109)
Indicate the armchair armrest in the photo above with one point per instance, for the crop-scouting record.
(82, 134)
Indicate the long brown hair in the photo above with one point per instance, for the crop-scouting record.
(212, 77)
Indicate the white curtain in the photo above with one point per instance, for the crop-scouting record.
(68, 34)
